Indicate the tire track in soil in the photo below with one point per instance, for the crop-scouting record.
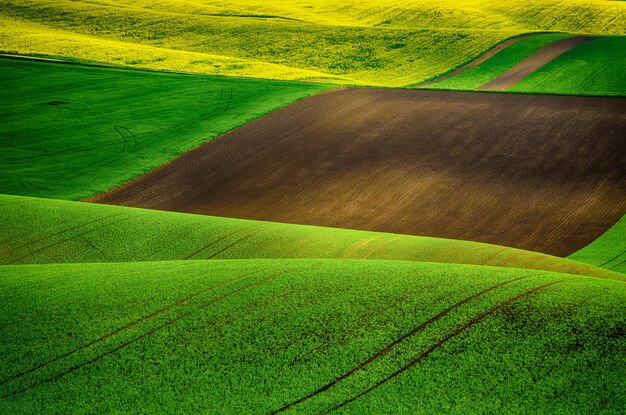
(405, 336)
(45, 248)
(381, 245)
(221, 238)
(148, 142)
(615, 266)
(144, 335)
(235, 243)
(612, 259)
(361, 244)
(441, 342)
(32, 241)
(125, 327)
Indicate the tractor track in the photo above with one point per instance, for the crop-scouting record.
(405, 336)
(474, 321)
(144, 335)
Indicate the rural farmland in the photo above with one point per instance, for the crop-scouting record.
(265, 207)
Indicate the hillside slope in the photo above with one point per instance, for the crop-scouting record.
(262, 336)
(608, 251)
(73, 131)
(40, 231)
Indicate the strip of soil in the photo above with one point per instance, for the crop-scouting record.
(482, 58)
(534, 62)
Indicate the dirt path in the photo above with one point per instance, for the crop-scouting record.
(544, 173)
(533, 63)
(482, 58)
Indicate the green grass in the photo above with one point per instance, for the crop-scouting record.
(608, 251)
(252, 336)
(499, 63)
(366, 42)
(72, 131)
(596, 67)
(40, 231)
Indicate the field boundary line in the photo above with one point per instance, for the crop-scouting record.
(146, 334)
(405, 336)
(441, 342)
(125, 327)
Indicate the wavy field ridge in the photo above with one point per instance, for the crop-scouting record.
(253, 239)
(360, 42)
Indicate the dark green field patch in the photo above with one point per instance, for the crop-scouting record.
(71, 131)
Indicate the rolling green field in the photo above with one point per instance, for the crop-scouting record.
(498, 64)
(593, 68)
(608, 251)
(112, 309)
(354, 42)
(73, 131)
(42, 231)
(308, 336)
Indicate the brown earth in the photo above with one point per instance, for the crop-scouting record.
(544, 173)
(534, 62)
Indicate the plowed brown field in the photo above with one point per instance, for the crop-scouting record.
(544, 173)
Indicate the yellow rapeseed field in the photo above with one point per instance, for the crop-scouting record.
(357, 42)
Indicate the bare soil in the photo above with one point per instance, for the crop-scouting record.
(543, 173)
(482, 58)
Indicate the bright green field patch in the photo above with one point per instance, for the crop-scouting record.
(596, 67)
(499, 63)
(254, 336)
(71, 131)
(608, 251)
(40, 231)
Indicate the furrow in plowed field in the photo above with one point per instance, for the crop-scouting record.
(534, 63)
(542, 173)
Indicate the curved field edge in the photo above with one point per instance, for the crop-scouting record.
(52, 231)
(74, 131)
(308, 336)
(507, 58)
(608, 251)
(592, 68)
